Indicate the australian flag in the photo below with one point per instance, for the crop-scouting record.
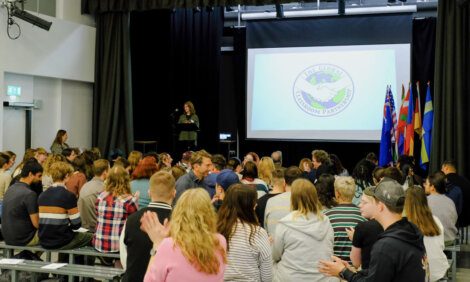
(388, 129)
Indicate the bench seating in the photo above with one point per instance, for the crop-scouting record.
(453, 262)
(84, 251)
(72, 270)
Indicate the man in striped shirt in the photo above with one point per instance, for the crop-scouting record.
(59, 215)
(344, 215)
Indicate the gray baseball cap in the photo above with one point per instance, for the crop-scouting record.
(388, 191)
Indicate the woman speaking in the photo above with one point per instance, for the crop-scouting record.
(188, 138)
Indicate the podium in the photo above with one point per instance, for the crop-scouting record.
(187, 127)
(190, 144)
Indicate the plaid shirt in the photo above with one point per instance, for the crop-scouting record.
(112, 213)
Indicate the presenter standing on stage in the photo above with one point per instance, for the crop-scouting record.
(189, 138)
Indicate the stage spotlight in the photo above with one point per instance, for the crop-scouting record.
(30, 18)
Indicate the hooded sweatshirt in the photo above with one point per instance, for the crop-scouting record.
(299, 243)
(398, 255)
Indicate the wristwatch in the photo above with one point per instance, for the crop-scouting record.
(343, 272)
(153, 252)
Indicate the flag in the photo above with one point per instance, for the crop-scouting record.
(386, 146)
(409, 128)
(427, 128)
(402, 117)
(417, 123)
(394, 123)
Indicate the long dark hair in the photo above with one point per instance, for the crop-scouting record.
(362, 174)
(326, 190)
(59, 135)
(239, 203)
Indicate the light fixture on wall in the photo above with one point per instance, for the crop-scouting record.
(14, 11)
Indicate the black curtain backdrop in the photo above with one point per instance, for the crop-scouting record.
(451, 115)
(350, 153)
(112, 100)
(100, 6)
(175, 58)
(422, 70)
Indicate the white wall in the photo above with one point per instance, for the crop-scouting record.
(61, 65)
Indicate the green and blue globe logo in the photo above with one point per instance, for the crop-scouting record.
(323, 90)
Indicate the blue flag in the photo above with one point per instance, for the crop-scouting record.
(427, 129)
(386, 146)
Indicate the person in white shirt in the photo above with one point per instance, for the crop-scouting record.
(418, 212)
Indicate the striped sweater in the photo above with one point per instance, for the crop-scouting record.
(249, 261)
(58, 217)
(341, 217)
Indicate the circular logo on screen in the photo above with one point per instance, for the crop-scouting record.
(323, 90)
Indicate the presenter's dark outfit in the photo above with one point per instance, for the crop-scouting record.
(188, 138)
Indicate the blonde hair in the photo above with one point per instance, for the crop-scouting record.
(265, 170)
(60, 170)
(134, 158)
(304, 198)
(51, 159)
(118, 182)
(346, 187)
(162, 184)
(193, 228)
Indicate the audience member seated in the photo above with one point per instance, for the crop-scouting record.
(46, 175)
(134, 243)
(134, 159)
(89, 193)
(250, 177)
(455, 194)
(141, 177)
(279, 186)
(279, 206)
(249, 252)
(362, 175)
(224, 180)
(308, 172)
(442, 206)
(377, 175)
(321, 162)
(70, 154)
(276, 156)
(78, 177)
(417, 211)
(344, 215)
(5, 177)
(164, 160)
(302, 238)
(113, 206)
(251, 157)
(338, 168)
(185, 161)
(236, 165)
(325, 186)
(201, 164)
(399, 253)
(394, 173)
(450, 170)
(265, 171)
(190, 249)
(20, 218)
(40, 154)
(59, 144)
(59, 215)
(365, 234)
(28, 154)
(218, 164)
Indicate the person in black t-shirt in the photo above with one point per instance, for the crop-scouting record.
(135, 245)
(20, 218)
